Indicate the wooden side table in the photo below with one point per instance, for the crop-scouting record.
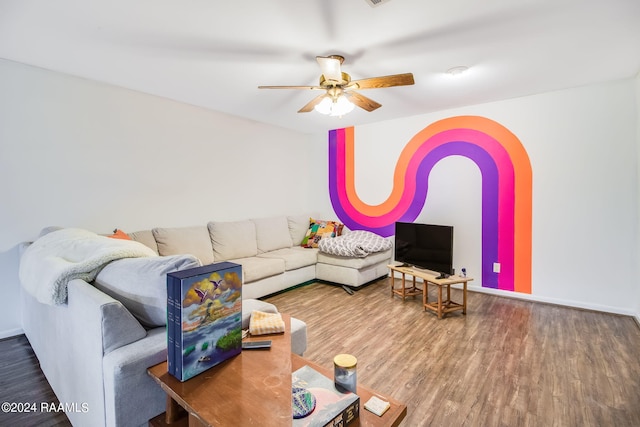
(440, 306)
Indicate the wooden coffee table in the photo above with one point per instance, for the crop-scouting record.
(253, 388)
(440, 306)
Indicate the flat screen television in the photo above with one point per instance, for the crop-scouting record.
(427, 246)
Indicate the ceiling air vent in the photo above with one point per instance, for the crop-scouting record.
(374, 3)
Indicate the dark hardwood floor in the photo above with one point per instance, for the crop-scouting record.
(22, 382)
(508, 362)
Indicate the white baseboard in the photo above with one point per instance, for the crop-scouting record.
(556, 301)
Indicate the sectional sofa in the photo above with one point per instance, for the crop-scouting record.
(269, 251)
(95, 348)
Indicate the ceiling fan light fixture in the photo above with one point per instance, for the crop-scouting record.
(341, 95)
(334, 107)
(330, 66)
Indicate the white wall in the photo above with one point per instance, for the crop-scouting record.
(79, 153)
(583, 147)
(83, 154)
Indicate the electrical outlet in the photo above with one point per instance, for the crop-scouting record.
(496, 267)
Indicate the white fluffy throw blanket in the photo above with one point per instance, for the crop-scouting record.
(359, 243)
(53, 260)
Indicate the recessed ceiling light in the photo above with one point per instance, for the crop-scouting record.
(455, 71)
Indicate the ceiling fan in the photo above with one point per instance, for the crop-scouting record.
(339, 91)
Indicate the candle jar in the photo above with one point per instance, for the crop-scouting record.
(344, 372)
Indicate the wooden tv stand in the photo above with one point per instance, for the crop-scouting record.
(440, 306)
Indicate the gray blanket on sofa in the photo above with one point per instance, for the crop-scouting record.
(54, 259)
(359, 243)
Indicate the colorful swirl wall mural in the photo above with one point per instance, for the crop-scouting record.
(506, 190)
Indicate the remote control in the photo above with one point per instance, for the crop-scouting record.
(251, 345)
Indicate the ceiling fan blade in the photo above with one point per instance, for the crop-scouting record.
(362, 101)
(384, 81)
(330, 66)
(292, 87)
(311, 104)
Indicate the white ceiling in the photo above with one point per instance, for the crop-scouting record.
(214, 54)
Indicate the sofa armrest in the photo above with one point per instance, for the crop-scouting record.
(119, 327)
(132, 397)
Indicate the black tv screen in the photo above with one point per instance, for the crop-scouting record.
(425, 246)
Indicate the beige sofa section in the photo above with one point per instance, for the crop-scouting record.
(269, 251)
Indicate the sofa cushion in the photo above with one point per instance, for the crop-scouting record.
(294, 258)
(256, 268)
(140, 284)
(146, 238)
(118, 328)
(298, 226)
(185, 240)
(272, 234)
(235, 239)
(357, 263)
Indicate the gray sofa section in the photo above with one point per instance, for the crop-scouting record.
(95, 355)
(95, 351)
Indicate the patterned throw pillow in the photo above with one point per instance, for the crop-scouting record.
(319, 229)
